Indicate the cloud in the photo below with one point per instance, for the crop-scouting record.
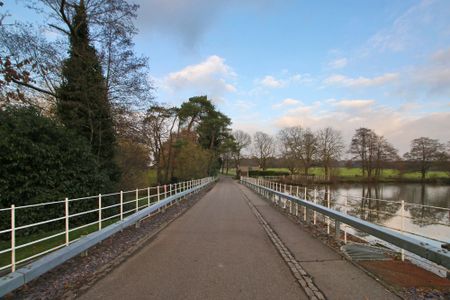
(338, 63)
(430, 81)
(342, 80)
(428, 18)
(354, 103)
(397, 125)
(208, 77)
(270, 81)
(286, 102)
(185, 20)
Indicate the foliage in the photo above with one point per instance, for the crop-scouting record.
(43, 161)
(191, 161)
(82, 98)
(133, 160)
(424, 152)
(268, 173)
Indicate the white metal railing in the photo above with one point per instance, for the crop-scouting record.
(109, 208)
(303, 203)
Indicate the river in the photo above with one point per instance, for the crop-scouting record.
(426, 206)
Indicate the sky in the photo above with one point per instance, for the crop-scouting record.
(269, 64)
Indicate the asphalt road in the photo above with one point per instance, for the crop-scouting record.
(216, 250)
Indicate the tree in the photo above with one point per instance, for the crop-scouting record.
(385, 153)
(363, 147)
(112, 31)
(309, 149)
(42, 161)
(158, 126)
(424, 152)
(241, 141)
(329, 148)
(290, 144)
(227, 149)
(82, 98)
(264, 147)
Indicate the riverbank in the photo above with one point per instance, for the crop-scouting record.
(354, 175)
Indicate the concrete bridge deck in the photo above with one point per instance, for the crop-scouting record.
(223, 249)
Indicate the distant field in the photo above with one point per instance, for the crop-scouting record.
(357, 172)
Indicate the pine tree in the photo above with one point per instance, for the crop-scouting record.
(83, 104)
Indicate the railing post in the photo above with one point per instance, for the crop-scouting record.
(328, 205)
(402, 226)
(137, 200)
(345, 225)
(99, 211)
(165, 190)
(157, 192)
(315, 201)
(148, 197)
(170, 189)
(13, 238)
(296, 204)
(305, 210)
(337, 227)
(66, 211)
(121, 205)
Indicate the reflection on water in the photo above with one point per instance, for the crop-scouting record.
(417, 217)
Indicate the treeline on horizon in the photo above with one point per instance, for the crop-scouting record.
(299, 149)
(78, 115)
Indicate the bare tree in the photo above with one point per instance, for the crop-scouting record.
(241, 141)
(424, 152)
(363, 147)
(330, 146)
(290, 140)
(264, 147)
(111, 30)
(385, 153)
(158, 127)
(309, 149)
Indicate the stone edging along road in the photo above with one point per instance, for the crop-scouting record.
(303, 278)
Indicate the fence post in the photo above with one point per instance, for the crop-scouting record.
(99, 211)
(328, 205)
(345, 225)
(137, 200)
(315, 201)
(13, 238)
(148, 196)
(402, 226)
(305, 210)
(66, 209)
(121, 205)
(157, 191)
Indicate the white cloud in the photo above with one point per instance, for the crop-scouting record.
(286, 102)
(430, 81)
(427, 18)
(338, 63)
(208, 77)
(270, 81)
(357, 103)
(342, 80)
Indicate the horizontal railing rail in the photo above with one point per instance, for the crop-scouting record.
(18, 247)
(420, 248)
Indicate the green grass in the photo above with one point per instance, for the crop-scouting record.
(34, 249)
(348, 173)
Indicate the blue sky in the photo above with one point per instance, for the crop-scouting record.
(268, 64)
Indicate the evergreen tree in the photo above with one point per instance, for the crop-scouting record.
(82, 99)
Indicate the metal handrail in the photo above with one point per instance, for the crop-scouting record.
(422, 249)
(162, 192)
